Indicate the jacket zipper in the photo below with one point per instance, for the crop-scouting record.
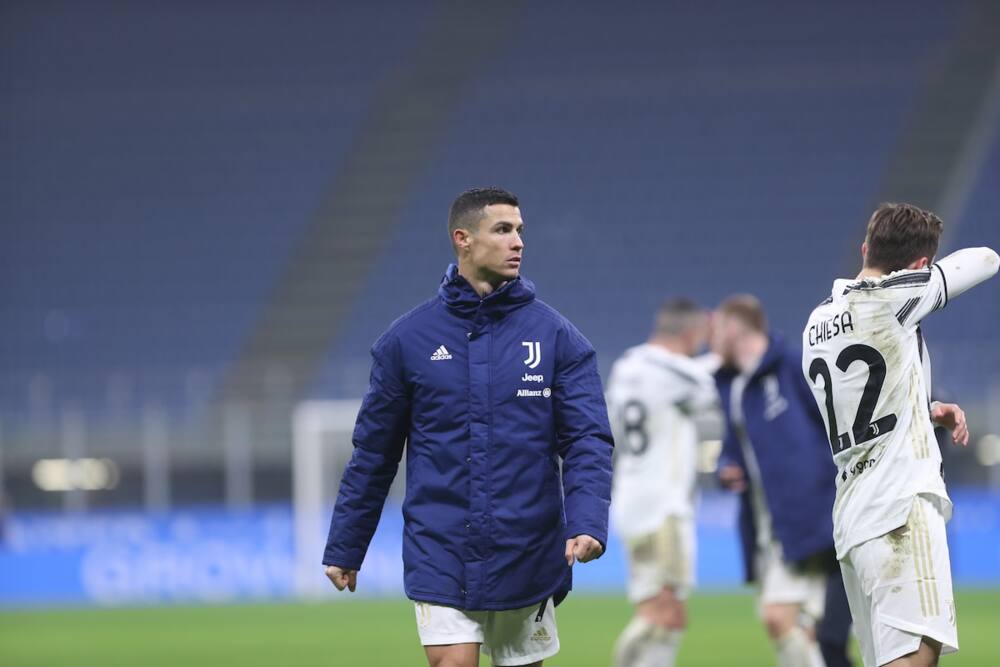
(541, 611)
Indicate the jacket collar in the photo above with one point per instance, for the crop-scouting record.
(458, 295)
(773, 356)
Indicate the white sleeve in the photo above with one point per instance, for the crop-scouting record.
(701, 395)
(701, 404)
(954, 275)
(709, 362)
(964, 269)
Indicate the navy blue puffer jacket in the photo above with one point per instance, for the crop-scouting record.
(786, 431)
(487, 395)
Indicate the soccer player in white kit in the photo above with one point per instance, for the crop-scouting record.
(865, 358)
(655, 394)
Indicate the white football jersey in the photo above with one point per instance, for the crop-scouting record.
(865, 358)
(654, 396)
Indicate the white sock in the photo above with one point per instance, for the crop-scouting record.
(643, 644)
(795, 649)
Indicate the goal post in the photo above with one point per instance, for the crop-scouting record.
(321, 447)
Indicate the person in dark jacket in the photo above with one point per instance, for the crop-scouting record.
(776, 455)
(489, 388)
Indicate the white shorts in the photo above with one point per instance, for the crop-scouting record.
(509, 637)
(665, 557)
(781, 583)
(899, 588)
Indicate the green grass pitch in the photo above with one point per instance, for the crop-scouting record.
(357, 633)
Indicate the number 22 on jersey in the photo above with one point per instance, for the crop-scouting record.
(864, 427)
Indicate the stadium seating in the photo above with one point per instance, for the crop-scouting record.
(680, 167)
(157, 185)
(153, 201)
(963, 343)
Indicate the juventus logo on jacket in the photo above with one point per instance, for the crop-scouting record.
(534, 353)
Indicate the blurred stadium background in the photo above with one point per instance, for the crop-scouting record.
(208, 211)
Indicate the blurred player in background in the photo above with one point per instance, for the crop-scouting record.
(656, 391)
(870, 373)
(776, 456)
(488, 388)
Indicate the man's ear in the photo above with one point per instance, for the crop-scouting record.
(460, 238)
(864, 252)
(919, 264)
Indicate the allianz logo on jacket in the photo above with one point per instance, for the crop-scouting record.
(534, 393)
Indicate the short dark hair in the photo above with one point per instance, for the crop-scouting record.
(747, 309)
(466, 211)
(676, 316)
(900, 234)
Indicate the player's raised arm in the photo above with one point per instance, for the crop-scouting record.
(941, 282)
(379, 435)
(964, 269)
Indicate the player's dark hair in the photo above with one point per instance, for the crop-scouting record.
(467, 209)
(900, 234)
(676, 316)
(747, 309)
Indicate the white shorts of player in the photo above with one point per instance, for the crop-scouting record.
(780, 583)
(899, 588)
(662, 558)
(509, 637)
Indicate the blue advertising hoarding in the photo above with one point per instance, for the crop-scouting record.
(215, 555)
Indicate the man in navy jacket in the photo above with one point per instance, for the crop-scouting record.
(489, 388)
(777, 455)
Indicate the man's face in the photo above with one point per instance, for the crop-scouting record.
(495, 249)
(725, 331)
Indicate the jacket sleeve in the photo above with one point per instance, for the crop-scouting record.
(584, 438)
(379, 433)
(731, 453)
(805, 395)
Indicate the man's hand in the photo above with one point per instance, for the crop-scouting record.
(951, 417)
(342, 578)
(582, 548)
(733, 478)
